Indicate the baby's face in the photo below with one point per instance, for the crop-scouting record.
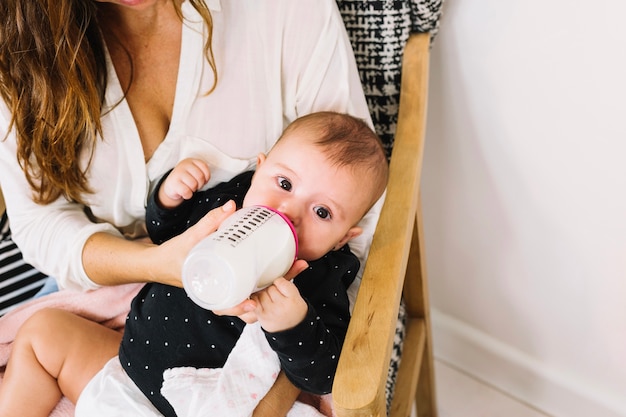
(324, 202)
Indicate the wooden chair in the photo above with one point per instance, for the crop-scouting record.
(395, 269)
(395, 266)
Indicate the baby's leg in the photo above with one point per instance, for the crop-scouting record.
(55, 353)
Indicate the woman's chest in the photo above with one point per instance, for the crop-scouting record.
(149, 81)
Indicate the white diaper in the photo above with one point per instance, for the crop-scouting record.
(111, 393)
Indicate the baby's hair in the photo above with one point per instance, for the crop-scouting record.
(347, 141)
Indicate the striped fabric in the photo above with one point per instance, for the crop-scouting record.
(378, 31)
(19, 281)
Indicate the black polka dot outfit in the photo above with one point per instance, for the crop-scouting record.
(165, 329)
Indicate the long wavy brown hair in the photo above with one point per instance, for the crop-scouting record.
(53, 77)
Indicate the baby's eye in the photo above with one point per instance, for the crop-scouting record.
(284, 183)
(322, 213)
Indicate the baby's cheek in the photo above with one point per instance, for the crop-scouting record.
(312, 252)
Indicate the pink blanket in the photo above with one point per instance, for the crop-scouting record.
(108, 306)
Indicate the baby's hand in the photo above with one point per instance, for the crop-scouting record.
(279, 306)
(186, 178)
(248, 309)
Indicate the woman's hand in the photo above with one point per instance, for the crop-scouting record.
(170, 255)
(246, 310)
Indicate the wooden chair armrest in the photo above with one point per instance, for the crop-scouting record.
(359, 387)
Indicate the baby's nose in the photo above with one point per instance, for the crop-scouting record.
(290, 213)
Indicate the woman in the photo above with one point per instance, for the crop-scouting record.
(102, 97)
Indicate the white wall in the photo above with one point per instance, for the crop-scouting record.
(524, 198)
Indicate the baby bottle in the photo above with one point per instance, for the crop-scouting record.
(251, 248)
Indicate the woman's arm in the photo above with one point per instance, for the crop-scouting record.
(279, 399)
(110, 260)
(319, 67)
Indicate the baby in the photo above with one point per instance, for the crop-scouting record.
(324, 174)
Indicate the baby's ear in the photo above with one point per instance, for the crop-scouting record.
(260, 159)
(350, 234)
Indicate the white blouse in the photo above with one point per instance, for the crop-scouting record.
(275, 61)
